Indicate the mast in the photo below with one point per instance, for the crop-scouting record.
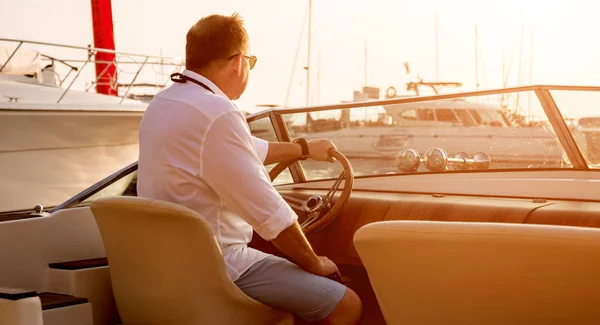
(162, 66)
(365, 63)
(476, 58)
(287, 95)
(503, 67)
(520, 63)
(319, 79)
(106, 73)
(530, 74)
(308, 58)
(502, 97)
(437, 58)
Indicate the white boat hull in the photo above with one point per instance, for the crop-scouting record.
(48, 156)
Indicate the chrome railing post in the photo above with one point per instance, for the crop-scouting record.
(92, 53)
(65, 78)
(100, 76)
(10, 57)
(132, 81)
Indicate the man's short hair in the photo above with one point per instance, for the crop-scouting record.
(214, 37)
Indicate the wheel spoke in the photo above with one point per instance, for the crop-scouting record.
(333, 189)
(312, 218)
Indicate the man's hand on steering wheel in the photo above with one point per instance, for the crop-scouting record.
(318, 149)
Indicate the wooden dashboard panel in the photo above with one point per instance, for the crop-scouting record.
(363, 207)
(568, 213)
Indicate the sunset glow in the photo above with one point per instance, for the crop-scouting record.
(394, 32)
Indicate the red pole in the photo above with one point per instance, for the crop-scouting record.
(104, 38)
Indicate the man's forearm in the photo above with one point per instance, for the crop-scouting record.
(281, 151)
(294, 244)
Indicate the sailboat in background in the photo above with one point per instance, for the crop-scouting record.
(59, 132)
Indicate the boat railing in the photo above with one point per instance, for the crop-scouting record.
(75, 66)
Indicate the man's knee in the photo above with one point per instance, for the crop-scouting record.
(348, 311)
(353, 303)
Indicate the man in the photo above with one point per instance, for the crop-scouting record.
(196, 150)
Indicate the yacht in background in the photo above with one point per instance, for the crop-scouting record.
(62, 127)
(458, 125)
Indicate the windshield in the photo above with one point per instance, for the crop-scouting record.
(501, 131)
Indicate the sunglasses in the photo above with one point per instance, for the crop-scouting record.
(251, 59)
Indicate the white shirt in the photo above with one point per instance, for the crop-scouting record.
(196, 150)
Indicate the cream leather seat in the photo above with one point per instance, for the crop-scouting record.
(166, 267)
(482, 273)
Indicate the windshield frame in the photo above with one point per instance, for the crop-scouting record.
(97, 187)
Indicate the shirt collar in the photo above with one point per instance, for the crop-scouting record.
(205, 81)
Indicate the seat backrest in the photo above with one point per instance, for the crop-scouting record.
(426, 272)
(166, 267)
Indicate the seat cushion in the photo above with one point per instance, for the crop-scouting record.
(426, 272)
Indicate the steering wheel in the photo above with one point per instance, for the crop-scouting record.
(319, 211)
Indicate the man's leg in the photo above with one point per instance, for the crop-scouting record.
(348, 311)
(284, 285)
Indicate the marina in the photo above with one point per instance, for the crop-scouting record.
(456, 192)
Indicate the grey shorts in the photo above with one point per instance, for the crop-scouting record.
(284, 285)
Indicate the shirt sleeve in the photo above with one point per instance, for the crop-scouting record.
(262, 148)
(234, 170)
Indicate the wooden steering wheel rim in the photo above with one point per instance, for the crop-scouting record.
(336, 209)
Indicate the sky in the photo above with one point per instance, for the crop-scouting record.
(559, 40)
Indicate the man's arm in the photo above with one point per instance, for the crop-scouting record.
(282, 151)
(294, 244)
